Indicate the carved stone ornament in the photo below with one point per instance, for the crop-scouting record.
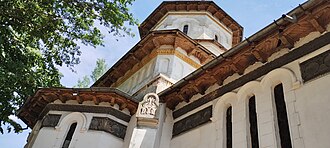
(192, 121)
(50, 120)
(147, 110)
(108, 125)
(148, 106)
(316, 66)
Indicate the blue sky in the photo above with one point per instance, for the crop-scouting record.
(253, 15)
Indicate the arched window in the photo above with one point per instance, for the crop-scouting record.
(69, 135)
(282, 117)
(185, 29)
(229, 134)
(216, 38)
(253, 123)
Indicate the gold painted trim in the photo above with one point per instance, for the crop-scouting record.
(150, 57)
(187, 59)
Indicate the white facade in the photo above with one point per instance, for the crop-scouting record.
(82, 137)
(306, 102)
(307, 105)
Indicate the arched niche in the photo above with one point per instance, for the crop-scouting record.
(164, 64)
(252, 88)
(78, 117)
(280, 75)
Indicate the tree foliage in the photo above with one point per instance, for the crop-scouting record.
(100, 68)
(84, 83)
(38, 35)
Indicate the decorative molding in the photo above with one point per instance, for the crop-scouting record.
(88, 109)
(50, 120)
(150, 57)
(164, 52)
(31, 111)
(72, 117)
(135, 68)
(148, 110)
(142, 52)
(192, 121)
(277, 63)
(315, 66)
(148, 106)
(187, 59)
(108, 125)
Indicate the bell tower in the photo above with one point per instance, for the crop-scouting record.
(202, 21)
(177, 38)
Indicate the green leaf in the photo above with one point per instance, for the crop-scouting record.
(36, 36)
(100, 68)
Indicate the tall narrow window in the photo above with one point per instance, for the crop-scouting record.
(253, 122)
(69, 135)
(185, 29)
(229, 127)
(282, 117)
(216, 38)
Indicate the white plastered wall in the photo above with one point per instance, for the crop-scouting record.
(312, 104)
(215, 131)
(170, 66)
(139, 78)
(307, 108)
(202, 25)
(82, 137)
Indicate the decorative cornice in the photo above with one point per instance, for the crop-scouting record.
(86, 108)
(134, 59)
(188, 6)
(187, 59)
(150, 57)
(31, 111)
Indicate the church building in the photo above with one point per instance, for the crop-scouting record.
(193, 82)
